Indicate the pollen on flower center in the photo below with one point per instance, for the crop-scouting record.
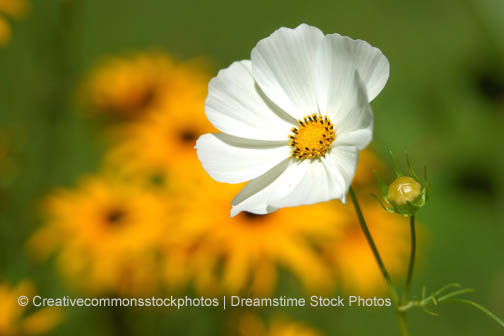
(312, 138)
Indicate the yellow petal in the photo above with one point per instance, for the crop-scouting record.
(42, 321)
(15, 8)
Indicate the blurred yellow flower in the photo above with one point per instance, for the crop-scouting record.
(242, 254)
(13, 320)
(351, 256)
(163, 143)
(122, 273)
(252, 325)
(136, 85)
(5, 31)
(13, 8)
(107, 233)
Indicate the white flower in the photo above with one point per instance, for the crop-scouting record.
(293, 118)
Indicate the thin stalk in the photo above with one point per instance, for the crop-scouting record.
(395, 298)
(403, 326)
(411, 259)
(372, 244)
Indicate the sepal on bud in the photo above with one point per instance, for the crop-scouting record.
(406, 194)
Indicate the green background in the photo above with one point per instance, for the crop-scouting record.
(444, 103)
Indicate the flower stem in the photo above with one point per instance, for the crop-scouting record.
(403, 326)
(411, 260)
(372, 244)
(395, 298)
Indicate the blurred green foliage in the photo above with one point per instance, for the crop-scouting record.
(444, 103)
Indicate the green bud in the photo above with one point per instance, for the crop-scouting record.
(404, 189)
(406, 194)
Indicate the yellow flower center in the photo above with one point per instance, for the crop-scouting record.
(312, 138)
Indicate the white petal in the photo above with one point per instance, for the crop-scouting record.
(233, 160)
(341, 162)
(372, 66)
(347, 106)
(259, 194)
(354, 123)
(236, 105)
(359, 138)
(320, 183)
(283, 65)
(294, 183)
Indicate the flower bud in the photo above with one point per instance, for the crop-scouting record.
(403, 190)
(406, 195)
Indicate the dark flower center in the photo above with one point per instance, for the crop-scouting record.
(115, 217)
(188, 136)
(254, 219)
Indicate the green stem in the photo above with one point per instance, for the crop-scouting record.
(403, 326)
(411, 259)
(395, 298)
(372, 244)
